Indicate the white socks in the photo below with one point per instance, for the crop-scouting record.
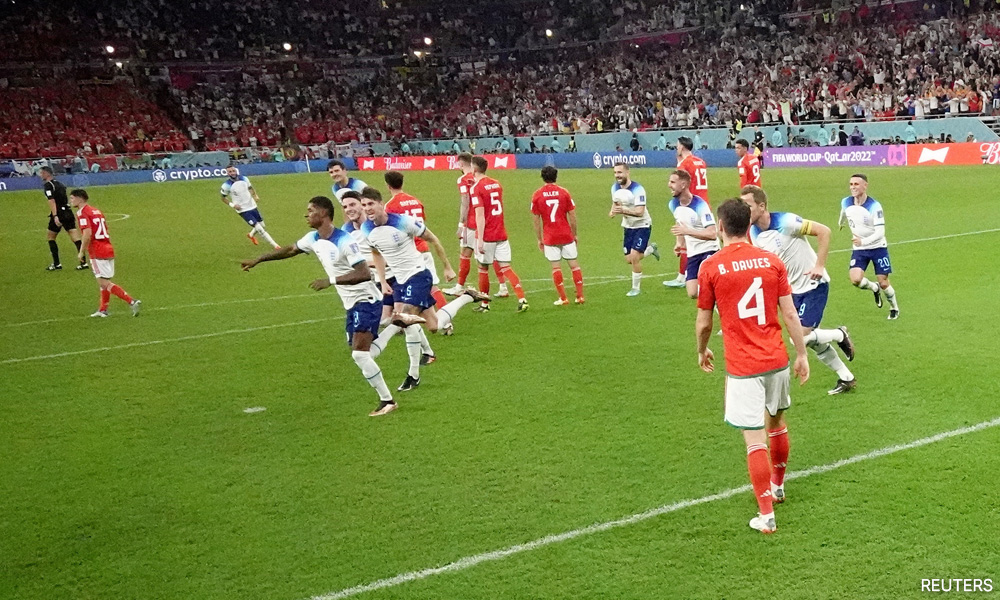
(890, 295)
(378, 346)
(871, 286)
(636, 280)
(413, 333)
(372, 373)
(818, 337)
(829, 357)
(448, 311)
(425, 345)
(259, 228)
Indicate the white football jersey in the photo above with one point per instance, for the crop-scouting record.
(394, 241)
(786, 237)
(352, 184)
(339, 254)
(238, 191)
(696, 215)
(866, 221)
(637, 197)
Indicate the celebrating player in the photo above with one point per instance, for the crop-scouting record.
(348, 270)
(239, 194)
(467, 231)
(60, 217)
(341, 182)
(486, 202)
(784, 234)
(698, 171)
(554, 216)
(748, 165)
(697, 237)
(628, 199)
(97, 242)
(392, 240)
(867, 222)
(749, 285)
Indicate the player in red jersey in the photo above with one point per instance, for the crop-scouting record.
(467, 232)
(486, 202)
(749, 285)
(405, 204)
(748, 165)
(698, 170)
(554, 215)
(97, 242)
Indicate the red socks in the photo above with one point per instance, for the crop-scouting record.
(760, 476)
(499, 272)
(683, 263)
(105, 298)
(779, 454)
(439, 299)
(464, 266)
(514, 281)
(578, 282)
(484, 280)
(118, 291)
(557, 278)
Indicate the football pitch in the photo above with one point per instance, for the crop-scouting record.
(566, 452)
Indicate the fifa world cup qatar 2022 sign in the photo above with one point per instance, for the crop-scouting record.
(912, 155)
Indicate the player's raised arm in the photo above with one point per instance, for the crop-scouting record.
(791, 318)
(429, 237)
(279, 254)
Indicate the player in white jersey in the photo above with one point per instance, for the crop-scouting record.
(867, 221)
(784, 234)
(628, 199)
(239, 194)
(392, 237)
(341, 182)
(694, 227)
(347, 268)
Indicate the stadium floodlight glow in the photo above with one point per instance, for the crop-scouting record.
(118, 64)
(548, 33)
(418, 53)
(287, 47)
(109, 49)
(428, 41)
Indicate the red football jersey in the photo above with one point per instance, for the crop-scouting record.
(465, 183)
(745, 282)
(698, 171)
(405, 204)
(100, 240)
(551, 202)
(488, 195)
(749, 167)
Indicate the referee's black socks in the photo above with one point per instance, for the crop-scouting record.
(54, 249)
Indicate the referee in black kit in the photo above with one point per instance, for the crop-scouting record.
(60, 217)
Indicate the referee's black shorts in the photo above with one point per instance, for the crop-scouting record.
(66, 220)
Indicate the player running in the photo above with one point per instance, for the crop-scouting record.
(867, 222)
(348, 270)
(341, 182)
(628, 199)
(698, 170)
(486, 202)
(697, 237)
(749, 285)
(392, 240)
(554, 214)
(238, 193)
(60, 217)
(97, 242)
(467, 231)
(784, 234)
(748, 165)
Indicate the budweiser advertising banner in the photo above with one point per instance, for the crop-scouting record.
(965, 153)
(430, 163)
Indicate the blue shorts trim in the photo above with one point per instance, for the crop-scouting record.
(811, 305)
(694, 264)
(415, 291)
(636, 239)
(252, 217)
(387, 298)
(878, 256)
(364, 317)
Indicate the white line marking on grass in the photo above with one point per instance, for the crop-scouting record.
(185, 338)
(254, 409)
(929, 239)
(476, 559)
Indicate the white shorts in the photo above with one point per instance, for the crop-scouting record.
(554, 253)
(469, 239)
(748, 397)
(429, 263)
(103, 268)
(494, 251)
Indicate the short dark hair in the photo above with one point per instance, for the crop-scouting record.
(394, 179)
(336, 163)
(860, 176)
(743, 142)
(549, 174)
(349, 194)
(80, 193)
(621, 164)
(465, 157)
(480, 164)
(47, 169)
(323, 203)
(758, 193)
(371, 193)
(682, 174)
(734, 216)
(686, 142)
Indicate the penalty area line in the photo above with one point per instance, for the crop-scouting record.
(495, 555)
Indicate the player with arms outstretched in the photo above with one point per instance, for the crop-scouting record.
(238, 193)
(96, 241)
(486, 202)
(867, 222)
(694, 227)
(749, 286)
(467, 231)
(698, 171)
(628, 199)
(554, 215)
(748, 165)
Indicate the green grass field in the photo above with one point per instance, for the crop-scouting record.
(128, 468)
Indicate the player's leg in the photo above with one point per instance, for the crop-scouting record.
(259, 228)
(859, 264)
(363, 321)
(51, 234)
(501, 279)
(102, 286)
(388, 302)
(502, 256)
(439, 299)
(745, 405)
(569, 254)
(882, 270)
(464, 263)
(778, 446)
(415, 295)
(69, 224)
(634, 259)
(248, 216)
(810, 307)
(447, 313)
(557, 274)
(484, 261)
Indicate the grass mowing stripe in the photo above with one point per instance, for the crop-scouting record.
(471, 561)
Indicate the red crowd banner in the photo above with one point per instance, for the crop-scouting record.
(964, 153)
(430, 163)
